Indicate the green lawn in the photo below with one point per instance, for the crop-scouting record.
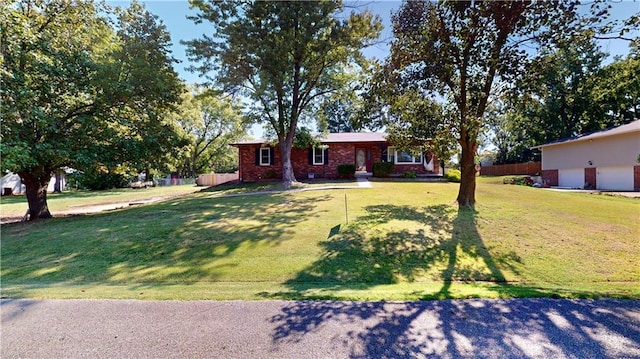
(403, 241)
(16, 206)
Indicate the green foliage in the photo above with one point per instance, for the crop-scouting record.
(303, 138)
(459, 50)
(409, 174)
(284, 56)
(346, 170)
(339, 111)
(382, 169)
(270, 174)
(209, 122)
(567, 92)
(76, 91)
(519, 180)
(414, 123)
(556, 99)
(101, 179)
(452, 175)
(617, 88)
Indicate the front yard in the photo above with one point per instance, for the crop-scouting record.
(403, 241)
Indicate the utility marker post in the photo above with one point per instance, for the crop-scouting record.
(346, 211)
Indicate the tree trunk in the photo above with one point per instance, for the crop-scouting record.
(194, 160)
(288, 177)
(467, 191)
(36, 185)
(57, 186)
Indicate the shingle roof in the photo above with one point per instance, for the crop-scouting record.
(354, 137)
(332, 138)
(628, 128)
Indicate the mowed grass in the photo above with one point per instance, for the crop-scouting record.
(16, 206)
(403, 241)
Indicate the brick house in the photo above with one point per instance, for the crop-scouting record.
(260, 161)
(606, 160)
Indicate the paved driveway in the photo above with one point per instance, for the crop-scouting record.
(524, 328)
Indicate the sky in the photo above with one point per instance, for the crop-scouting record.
(173, 14)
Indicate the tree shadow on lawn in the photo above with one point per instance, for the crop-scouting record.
(392, 244)
(180, 241)
(434, 240)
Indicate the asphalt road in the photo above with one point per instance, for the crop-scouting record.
(522, 328)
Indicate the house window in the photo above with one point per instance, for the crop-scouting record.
(318, 156)
(402, 158)
(265, 156)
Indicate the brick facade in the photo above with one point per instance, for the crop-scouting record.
(550, 177)
(636, 178)
(337, 153)
(590, 178)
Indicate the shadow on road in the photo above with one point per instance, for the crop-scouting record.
(443, 244)
(471, 328)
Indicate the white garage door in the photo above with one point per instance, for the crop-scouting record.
(571, 178)
(614, 178)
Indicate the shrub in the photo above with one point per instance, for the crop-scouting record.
(346, 170)
(522, 181)
(270, 174)
(409, 175)
(382, 169)
(100, 180)
(452, 175)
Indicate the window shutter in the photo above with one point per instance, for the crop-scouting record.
(271, 156)
(258, 156)
(326, 156)
(310, 155)
(384, 154)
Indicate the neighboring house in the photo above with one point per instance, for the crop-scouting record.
(11, 183)
(258, 160)
(606, 160)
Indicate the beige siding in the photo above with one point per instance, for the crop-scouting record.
(621, 150)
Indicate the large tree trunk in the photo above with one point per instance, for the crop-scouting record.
(37, 194)
(467, 191)
(288, 177)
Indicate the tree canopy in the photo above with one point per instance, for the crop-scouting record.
(77, 91)
(461, 52)
(211, 122)
(283, 56)
(567, 91)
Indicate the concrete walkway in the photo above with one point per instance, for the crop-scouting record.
(364, 182)
(627, 194)
(522, 328)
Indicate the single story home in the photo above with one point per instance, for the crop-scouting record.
(11, 183)
(605, 160)
(259, 160)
